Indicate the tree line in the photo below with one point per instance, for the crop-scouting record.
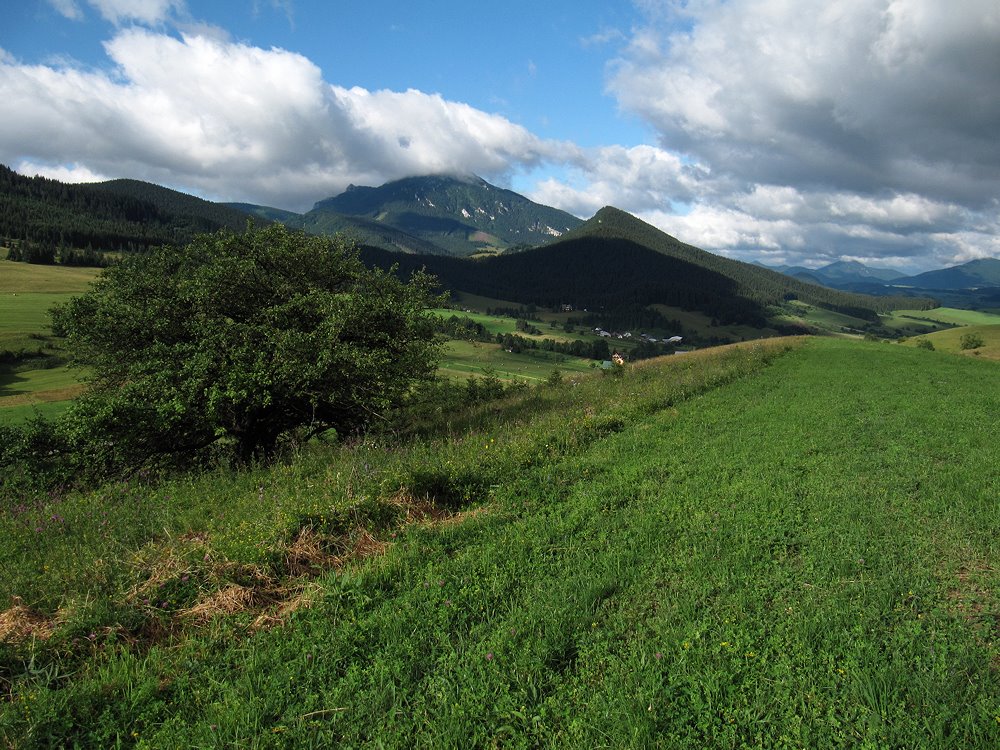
(48, 254)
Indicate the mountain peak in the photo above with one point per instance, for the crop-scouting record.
(614, 222)
(460, 213)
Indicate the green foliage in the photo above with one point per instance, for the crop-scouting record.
(925, 344)
(971, 341)
(488, 387)
(241, 338)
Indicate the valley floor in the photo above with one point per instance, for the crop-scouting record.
(778, 544)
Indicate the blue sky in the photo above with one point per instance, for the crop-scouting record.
(539, 64)
(765, 130)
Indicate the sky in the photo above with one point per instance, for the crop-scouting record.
(793, 132)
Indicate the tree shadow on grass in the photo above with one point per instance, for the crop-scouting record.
(9, 381)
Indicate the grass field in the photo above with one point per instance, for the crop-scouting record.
(948, 316)
(781, 544)
(25, 277)
(503, 325)
(24, 392)
(821, 319)
(951, 341)
(24, 328)
(27, 292)
(462, 359)
(28, 312)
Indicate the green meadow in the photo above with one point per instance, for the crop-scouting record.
(32, 384)
(790, 543)
(18, 277)
(24, 320)
(821, 319)
(946, 315)
(951, 340)
(464, 359)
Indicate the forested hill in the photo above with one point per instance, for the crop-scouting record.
(615, 261)
(752, 282)
(604, 275)
(116, 215)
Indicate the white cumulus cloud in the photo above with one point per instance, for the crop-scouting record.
(238, 122)
(806, 131)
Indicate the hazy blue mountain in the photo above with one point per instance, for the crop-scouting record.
(975, 274)
(841, 274)
(846, 271)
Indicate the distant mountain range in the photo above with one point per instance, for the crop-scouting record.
(613, 259)
(972, 284)
(975, 274)
(840, 274)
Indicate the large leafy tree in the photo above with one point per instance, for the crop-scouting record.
(241, 338)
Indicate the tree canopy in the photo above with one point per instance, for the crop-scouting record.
(241, 338)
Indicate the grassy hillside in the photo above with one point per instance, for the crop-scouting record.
(951, 341)
(948, 316)
(769, 545)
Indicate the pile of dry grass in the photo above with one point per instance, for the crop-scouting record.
(20, 623)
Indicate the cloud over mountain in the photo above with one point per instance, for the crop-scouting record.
(792, 132)
(240, 122)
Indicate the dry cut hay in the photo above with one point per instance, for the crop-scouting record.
(20, 623)
(230, 600)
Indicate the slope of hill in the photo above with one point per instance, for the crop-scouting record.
(189, 213)
(597, 276)
(114, 215)
(267, 213)
(986, 346)
(360, 230)
(462, 215)
(734, 548)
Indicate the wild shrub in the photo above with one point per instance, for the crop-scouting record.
(971, 341)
